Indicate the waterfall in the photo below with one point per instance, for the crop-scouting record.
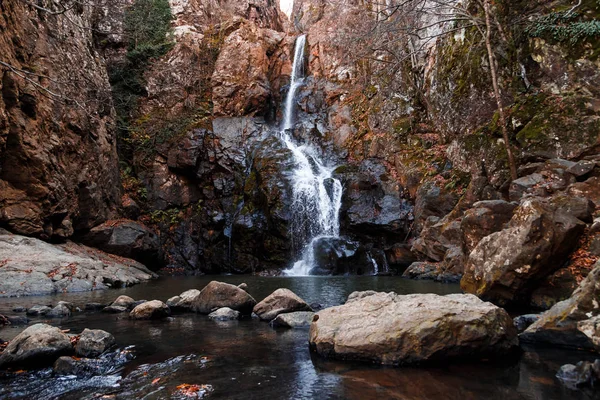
(317, 196)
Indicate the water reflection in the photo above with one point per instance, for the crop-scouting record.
(249, 359)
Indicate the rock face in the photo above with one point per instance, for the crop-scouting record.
(280, 301)
(217, 295)
(128, 239)
(505, 265)
(243, 87)
(93, 342)
(571, 322)
(154, 309)
(58, 150)
(389, 329)
(37, 345)
(33, 267)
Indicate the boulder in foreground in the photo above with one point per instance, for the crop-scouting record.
(279, 302)
(217, 295)
(391, 329)
(38, 345)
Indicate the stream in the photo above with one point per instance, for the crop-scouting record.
(248, 359)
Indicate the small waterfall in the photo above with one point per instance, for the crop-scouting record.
(317, 196)
(375, 265)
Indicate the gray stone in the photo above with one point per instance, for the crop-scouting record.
(224, 314)
(93, 342)
(522, 322)
(298, 319)
(38, 310)
(114, 309)
(582, 168)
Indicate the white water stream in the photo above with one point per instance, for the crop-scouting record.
(317, 196)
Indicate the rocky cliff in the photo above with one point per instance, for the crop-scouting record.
(409, 118)
(59, 166)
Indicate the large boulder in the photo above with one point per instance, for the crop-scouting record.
(505, 266)
(279, 302)
(38, 345)
(154, 309)
(216, 295)
(126, 239)
(391, 329)
(93, 342)
(33, 267)
(572, 322)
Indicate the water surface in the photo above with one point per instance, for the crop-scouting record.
(248, 359)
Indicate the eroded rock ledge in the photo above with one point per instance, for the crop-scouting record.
(30, 266)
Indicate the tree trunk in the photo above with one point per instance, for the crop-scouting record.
(502, 120)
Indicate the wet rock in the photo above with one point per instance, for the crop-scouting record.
(123, 301)
(38, 345)
(38, 310)
(154, 309)
(431, 271)
(522, 322)
(62, 309)
(584, 373)
(17, 320)
(94, 306)
(390, 329)
(560, 324)
(106, 364)
(279, 302)
(217, 295)
(126, 238)
(114, 309)
(224, 314)
(316, 306)
(505, 266)
(67, 267)
(298, 319)
(136, 303)
(19, 309)
(93, 342)
(185, 300)
(172, 301)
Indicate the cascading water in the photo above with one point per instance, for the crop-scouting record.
(317, 196)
